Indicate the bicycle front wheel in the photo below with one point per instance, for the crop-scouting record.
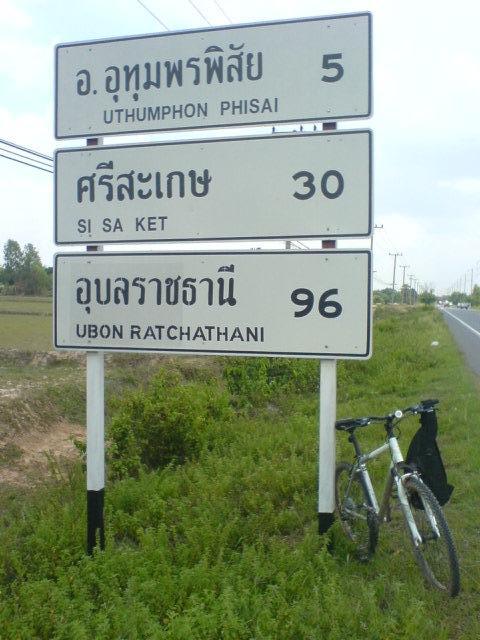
(435, 555)
(357, 516)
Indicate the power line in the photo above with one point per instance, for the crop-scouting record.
(200, 13)
(13, 153)
(221, 9)
(153, 15)
(31, 151)
(389, 239)
(388, 284)
(35, 166)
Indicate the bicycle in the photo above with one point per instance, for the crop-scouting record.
(361, 516)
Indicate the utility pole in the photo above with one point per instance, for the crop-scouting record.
(394, 270)
(411, 276)
(404, 267)
(471, 281)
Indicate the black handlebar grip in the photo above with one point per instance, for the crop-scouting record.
(428, 404)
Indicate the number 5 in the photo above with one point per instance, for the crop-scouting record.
(328, 64)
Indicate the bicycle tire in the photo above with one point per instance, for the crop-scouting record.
(436, 556)
(355, 512)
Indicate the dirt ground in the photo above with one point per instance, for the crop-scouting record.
(35, 453)
(32, 445)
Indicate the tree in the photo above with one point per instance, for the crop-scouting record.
(12, 261)
(457, 296)
(428, 297)
(36, 281)
(32, 278)
(30, 257)
(23, 272)
(384, 296)
(475, 297)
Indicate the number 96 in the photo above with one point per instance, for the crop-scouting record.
(306, 299)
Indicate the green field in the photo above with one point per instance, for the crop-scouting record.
(22, 305)
(223, 542)
(26, 323)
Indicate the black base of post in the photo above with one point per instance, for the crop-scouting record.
(95, 500)
(325, 521)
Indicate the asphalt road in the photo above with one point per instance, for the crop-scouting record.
(464, 325)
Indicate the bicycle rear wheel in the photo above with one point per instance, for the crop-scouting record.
(357, 516)
(436, 555)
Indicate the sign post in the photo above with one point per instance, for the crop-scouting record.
(326, 445)
(314, 304)
(95, 433)
(95, 450)
(326, 433)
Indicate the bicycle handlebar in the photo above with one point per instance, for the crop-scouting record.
(421, 407)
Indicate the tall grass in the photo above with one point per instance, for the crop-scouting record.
(225, 545)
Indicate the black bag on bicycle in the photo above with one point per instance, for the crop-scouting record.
(424, 454)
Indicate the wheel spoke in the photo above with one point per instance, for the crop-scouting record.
(435, 554)
(356, 517)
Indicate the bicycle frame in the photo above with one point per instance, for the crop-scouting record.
(393, 476)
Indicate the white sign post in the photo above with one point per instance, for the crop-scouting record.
(315, 304)
(95, 450)
(290, 71)
(300, 304)
(95, 418)
(278, 186)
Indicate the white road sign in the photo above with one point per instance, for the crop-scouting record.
(276, 186)
(288, 71)
(303, 304)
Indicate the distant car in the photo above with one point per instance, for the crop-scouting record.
(463, 305)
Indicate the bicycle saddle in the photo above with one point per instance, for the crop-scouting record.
(350, 423)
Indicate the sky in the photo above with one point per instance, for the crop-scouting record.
(426, 92)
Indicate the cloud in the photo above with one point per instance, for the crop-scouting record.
(30, 76)
(467, 186)
(13, 17)
(33, 130)
(400, 230)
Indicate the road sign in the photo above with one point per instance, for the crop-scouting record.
(303, 304)
(276, 186)
(287, 71)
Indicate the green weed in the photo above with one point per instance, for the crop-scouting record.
(225, 545)
(255, 381)
(167, 423)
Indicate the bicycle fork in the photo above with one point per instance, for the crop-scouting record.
(407, 512)
(397, 459)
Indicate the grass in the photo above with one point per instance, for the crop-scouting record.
(26, 332)
(226, 546)
(26, 323)
(26, 305)
(9, 453)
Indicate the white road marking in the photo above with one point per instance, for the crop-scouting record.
(477, 333)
